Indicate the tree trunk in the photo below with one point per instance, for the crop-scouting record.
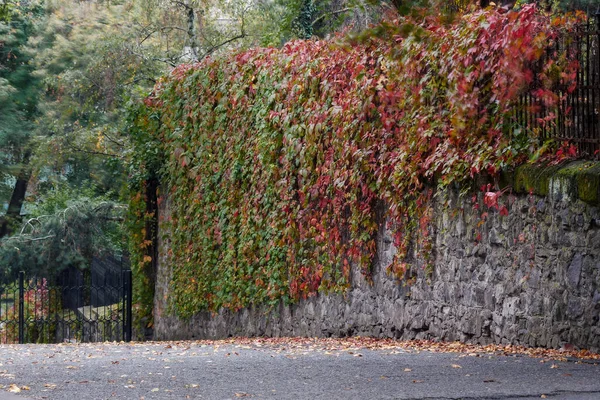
(191, 31)
(13, 214)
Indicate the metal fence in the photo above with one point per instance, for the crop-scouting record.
(70, 306)
(576, 120)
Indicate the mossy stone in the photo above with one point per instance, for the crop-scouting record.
(534, 178)
(576, 180)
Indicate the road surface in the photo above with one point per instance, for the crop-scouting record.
(259, 370)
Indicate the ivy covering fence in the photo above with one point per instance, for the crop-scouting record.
(281, 164)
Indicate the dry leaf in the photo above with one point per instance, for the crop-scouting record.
(407, 369)
(417, 381)
(155, 390)
(242, 394)
(456, 366)
(14, 388)
(554, 366)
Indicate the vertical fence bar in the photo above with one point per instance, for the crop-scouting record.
(596, 134)
(588, 93)
(129, 288)
(124, 300)
(21, 307)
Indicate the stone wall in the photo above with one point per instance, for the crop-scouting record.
(533, 279)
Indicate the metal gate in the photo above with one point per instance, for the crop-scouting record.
(93, 305)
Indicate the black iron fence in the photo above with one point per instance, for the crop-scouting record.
(70, 306)
(576, 118)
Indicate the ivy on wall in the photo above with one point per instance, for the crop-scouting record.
(276, 160)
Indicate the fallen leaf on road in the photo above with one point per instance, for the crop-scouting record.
(14, 388)
(242, 394)
(543, 396)
(25, 388)
(407, 369)
(417, 381)
(155, 390)
(456, 366)
(554, 366)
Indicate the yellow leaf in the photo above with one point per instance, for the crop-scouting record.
(14, 388)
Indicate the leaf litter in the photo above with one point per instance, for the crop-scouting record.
(285, 346)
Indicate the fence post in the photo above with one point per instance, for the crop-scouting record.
(21, 307)
(127, 312)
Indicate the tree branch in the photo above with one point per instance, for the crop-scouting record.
(22, 239)
(216, 47)
(332, 13)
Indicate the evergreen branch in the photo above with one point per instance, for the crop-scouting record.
(25, 239)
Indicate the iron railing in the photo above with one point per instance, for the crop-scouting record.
(71, 306)
(576, 119)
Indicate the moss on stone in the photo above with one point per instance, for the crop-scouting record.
(588, 184)
(576, 180)
(534, 178)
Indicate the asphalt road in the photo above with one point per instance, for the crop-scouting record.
(198, 371)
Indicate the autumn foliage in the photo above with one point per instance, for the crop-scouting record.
(282, 164)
